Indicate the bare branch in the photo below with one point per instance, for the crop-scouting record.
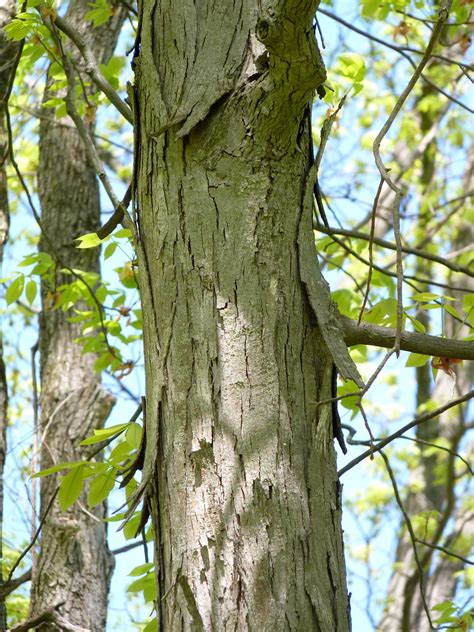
(92, 68)
(51, 615)
(35, 537)
(443, 16)
(9, 587)
(398, 49)
(423, 254)
(395, 435)
(445, 551)
(375, 335)
(421, 576)
(406, 277)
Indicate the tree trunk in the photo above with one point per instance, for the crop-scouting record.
(74, 565)
(8, 58)
(405, 609)
(239, 462)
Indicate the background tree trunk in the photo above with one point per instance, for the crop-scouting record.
(405, 610)
(8, 59)
(240, 463)
(74, 565)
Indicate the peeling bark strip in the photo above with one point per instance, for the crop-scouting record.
(239, 460)
(74, 565)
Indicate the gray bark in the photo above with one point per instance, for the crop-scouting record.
(8, 56)
(239, 464)
(74, 564)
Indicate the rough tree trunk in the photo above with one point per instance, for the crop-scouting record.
(74, 565)
(8, 55)
(239, 461)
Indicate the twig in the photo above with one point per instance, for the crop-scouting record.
(399, 50)
(395, 435)
(442, 448)
(443, 16)
(423, 254)
(35, 537)
(371, 245)
(8, 587)
(34, 350)
(411, 532)
(351, 441)
(90, 148)
(445, 551)
(127, 547)
(129, 6)
(406, 277)
(92, 67)
(38, 220)
(51, 615)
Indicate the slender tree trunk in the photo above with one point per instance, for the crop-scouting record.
(405, 609)
(8, 56)
(239, 462)
(74, 564)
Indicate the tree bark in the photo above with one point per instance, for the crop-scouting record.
(8, 59)
(74, 565)
(240, 466)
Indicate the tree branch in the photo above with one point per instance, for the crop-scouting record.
(398, 49)
(9, 587)
(51, 615)
(395, 435)
(423, 254)
(92, 68)
(375, 335)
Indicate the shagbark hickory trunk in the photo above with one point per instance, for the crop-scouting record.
(239, 465)
(74, 564)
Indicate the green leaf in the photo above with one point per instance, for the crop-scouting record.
(57, 468)
(133, 436)
(383, 313)
(424, 296)
(145, 584)
(130, 528)
(123, 233)
(100, 487)
(110, 249)
(417, 359)
(442, 606)
(21, 26)
(102, 434)
(31, 291)
(352, 66)
(369, 8)
(151, 626)
(453, 311)
(141, 570)
(349, 402)
(89, 240)
(120, 453)
(468, 302)
(138, 584)
(15, 289)
(71, 487)
(100, 12)
(103, 361)
(345, 300)
(417, 324)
